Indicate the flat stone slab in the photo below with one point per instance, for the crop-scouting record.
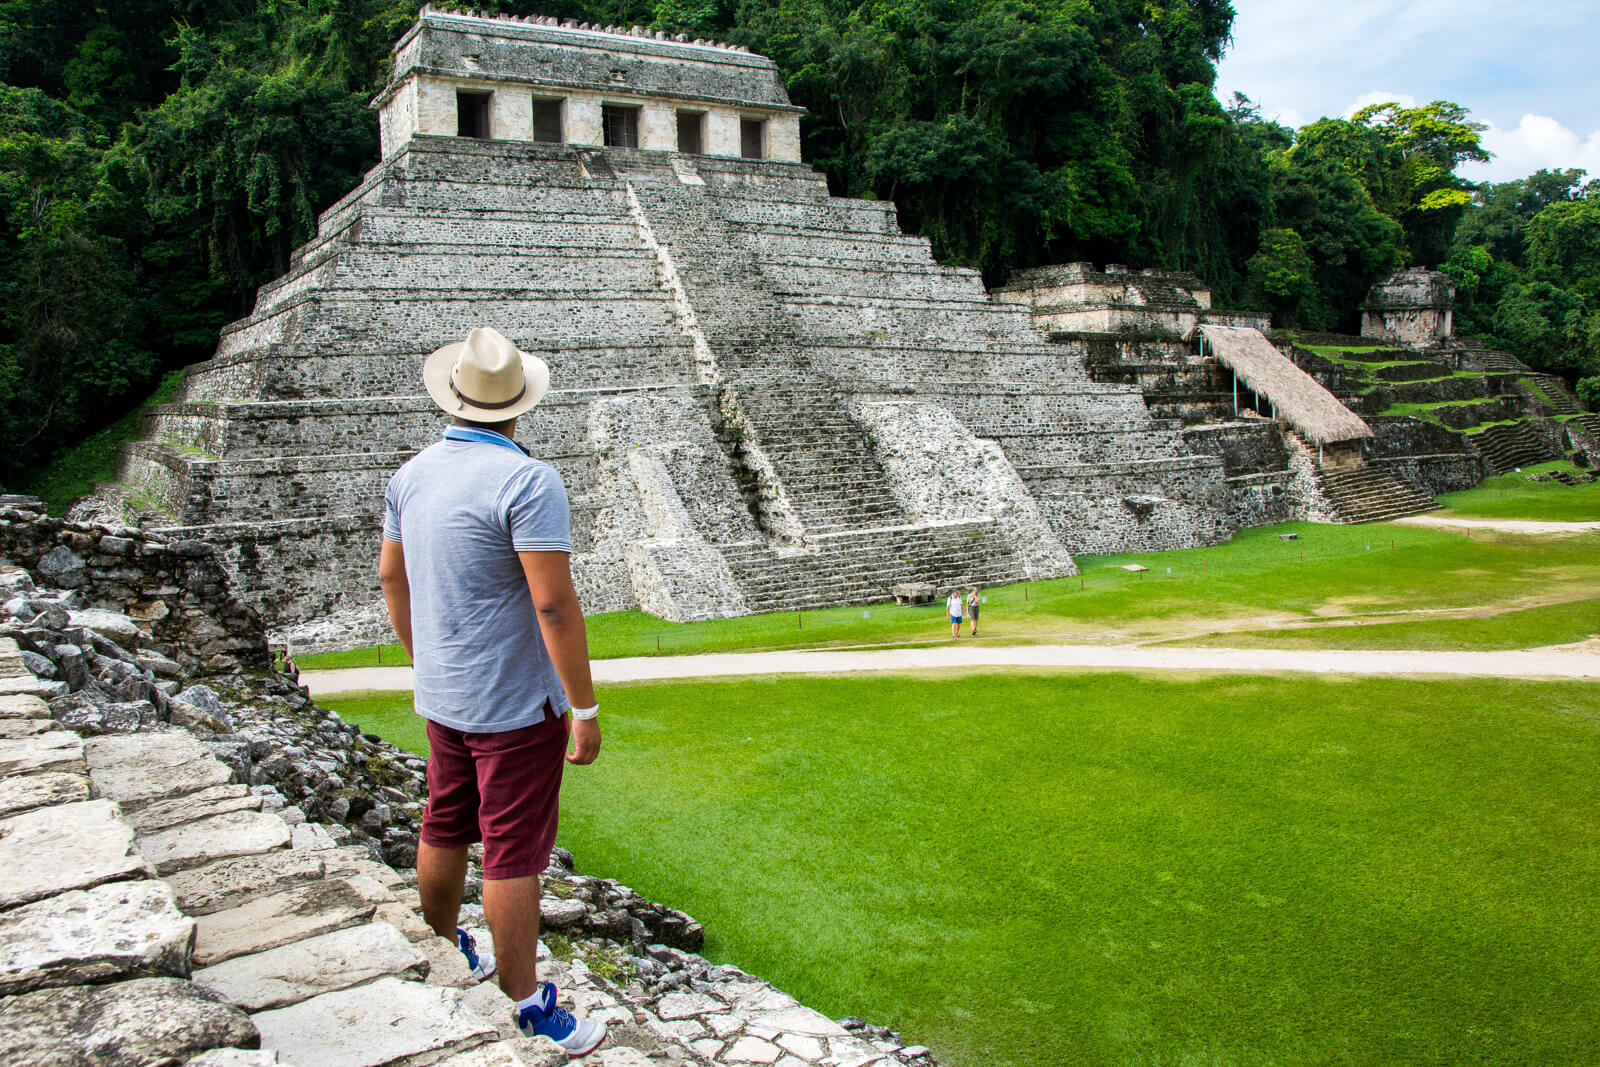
(292, 973)
(295, 914)
(215, 800)
(28, 685)
(138, 769)
(11, 728)
(111, 932)
(19, 706)
(797, 1020)
(235, 1057)
(405, 920)
(58, 750)
(145, 1021)
(446, 964)
(375, 1024)
(109, 624)
(235, 833)
(232, 882)
(70, 846)
(688, 1005)
(29, 791)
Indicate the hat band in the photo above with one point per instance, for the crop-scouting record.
(488, 405)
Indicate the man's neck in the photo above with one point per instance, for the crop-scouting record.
(508, 428)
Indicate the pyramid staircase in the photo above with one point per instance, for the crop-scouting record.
(1370, 493)
(1509, 446)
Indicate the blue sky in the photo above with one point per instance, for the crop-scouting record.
(1530, 70)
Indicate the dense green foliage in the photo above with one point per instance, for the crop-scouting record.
(1096, 867)
(1526, 260)
(163, 157)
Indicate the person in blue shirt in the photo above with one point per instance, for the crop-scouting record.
(475, 565)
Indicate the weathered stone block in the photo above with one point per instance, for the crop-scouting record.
(111, 932)
(70, 846)
(137, 769)
(203, 803)
(231, 882)
(27, 792)
(233, 833)
(296, 913)
(381, 1023)
(144, 1021)
(291, 973)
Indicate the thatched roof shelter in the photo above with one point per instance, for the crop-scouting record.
(1296, 397)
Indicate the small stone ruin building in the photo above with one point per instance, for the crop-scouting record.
(763, 396)
(1290, 448)
(1412, 307)
(1314, 426)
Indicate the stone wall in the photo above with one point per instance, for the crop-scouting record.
(173, 589)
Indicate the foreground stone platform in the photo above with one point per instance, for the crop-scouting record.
(160, 902)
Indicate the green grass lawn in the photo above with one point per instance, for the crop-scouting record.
(1023, 869)
(1330, 572)
(75, 472)
(1512, 496)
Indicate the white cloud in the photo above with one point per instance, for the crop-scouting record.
(1538, 141)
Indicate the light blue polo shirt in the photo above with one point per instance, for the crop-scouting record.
(463, 508)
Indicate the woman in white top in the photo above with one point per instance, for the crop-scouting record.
(953, 605)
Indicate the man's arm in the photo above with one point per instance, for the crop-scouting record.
(396, 589)
(560, 615)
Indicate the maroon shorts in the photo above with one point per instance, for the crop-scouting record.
(501, 789)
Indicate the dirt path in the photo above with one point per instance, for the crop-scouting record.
(1517, 526)
(1576, 663)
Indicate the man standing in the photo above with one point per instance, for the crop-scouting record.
(475, 566)
(952, 607)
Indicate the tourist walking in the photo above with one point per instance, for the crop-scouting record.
(475, 567)
(952, 607)
(974, 602)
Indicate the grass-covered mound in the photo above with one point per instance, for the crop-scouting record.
(1113, 868)
(1515, 496)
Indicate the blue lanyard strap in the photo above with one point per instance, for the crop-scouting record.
(488, 437)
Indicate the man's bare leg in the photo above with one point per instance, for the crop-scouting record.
(512, 907)
(441, 874)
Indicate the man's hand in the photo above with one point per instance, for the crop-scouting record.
(585, 735)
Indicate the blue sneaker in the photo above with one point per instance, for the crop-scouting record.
(544, 1018)
(481, 968)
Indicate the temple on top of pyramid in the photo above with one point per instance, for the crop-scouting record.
(537, 79)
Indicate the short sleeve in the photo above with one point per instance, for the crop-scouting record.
(391, 510)
(537, 511)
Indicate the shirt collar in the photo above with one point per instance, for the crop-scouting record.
(476, 433)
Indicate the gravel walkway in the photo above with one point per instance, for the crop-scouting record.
(1520, 526)
(1562, 663)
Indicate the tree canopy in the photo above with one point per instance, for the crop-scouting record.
(162, 158)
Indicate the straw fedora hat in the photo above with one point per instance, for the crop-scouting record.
(485, 378)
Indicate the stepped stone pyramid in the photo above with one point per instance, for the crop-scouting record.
(763, 396)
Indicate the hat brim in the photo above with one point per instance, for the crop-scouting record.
(436, 378)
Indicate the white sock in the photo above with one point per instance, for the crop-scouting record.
(528, 1002)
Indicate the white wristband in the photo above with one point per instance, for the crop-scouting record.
(585, 713)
